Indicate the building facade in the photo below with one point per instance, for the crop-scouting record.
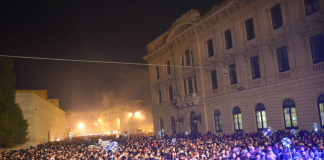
(243, 66)
(47, 122)
(134, 117)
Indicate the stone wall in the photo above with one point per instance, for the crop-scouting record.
(46, 121)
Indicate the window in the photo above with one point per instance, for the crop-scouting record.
(218, 121)
(261, 117)
(170, 93)
(195, 83)
(317, 45)
(232, 72)
(210, 47)
(255, 67)
(249, 29)
(168, 68)
(161, 123)
(157, 73)
(173, 125)
(190, 85)
(320, 104)
(160, 96)
(237, 117)
(276, 17)
(185, 86)
(290, 114)
(282, 56)
(228, 39)
(214, 79)
(187, 55)
(311, 6)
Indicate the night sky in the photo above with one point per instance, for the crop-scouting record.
(106, 30)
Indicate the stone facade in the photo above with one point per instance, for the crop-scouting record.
(46, 121)
(241, 60)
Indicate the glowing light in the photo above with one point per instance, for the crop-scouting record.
(96, 123)
(99, 120)
(80, 125)
(130, 114)
(137, 114)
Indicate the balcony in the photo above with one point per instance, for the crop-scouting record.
(189, 100)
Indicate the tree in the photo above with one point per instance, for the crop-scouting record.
(13, 126)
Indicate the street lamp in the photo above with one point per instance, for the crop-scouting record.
(80, 125)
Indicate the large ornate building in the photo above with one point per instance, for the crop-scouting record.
(244, 65)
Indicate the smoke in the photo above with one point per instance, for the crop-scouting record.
(99, 88)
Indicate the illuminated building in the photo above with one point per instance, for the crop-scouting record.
(244, 65)
(47, 122)
(134, 116)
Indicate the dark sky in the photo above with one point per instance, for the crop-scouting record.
(105, 30)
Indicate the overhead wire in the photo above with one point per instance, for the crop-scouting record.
(109, 62)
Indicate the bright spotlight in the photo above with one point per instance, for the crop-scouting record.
(130, 114)
(95, 123)
(80, 125)
(99, 120)
(137, 114)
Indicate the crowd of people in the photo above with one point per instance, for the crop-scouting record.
(235, 146)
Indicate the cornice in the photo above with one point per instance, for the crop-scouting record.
(207, 21)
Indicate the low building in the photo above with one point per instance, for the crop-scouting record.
(134, 117)
(243, 66)
(83, 121)
(47, 122)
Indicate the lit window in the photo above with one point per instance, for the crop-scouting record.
(290, 114)
(237, 117)
(261, 117)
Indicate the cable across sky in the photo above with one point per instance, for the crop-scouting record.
(106, 62)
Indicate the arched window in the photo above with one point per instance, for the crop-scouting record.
(193, 123)
(173, 125)
(187, 58)
(237, 116)
(161, 123)
(218, 121)
(261, 118)
(290, 115)
(320, 104)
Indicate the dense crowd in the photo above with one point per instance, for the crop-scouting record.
(235, 146)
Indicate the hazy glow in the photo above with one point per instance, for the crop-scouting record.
(137, 114)
(80, 125)
(130, 114)
(96, 123)
(99, 120)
